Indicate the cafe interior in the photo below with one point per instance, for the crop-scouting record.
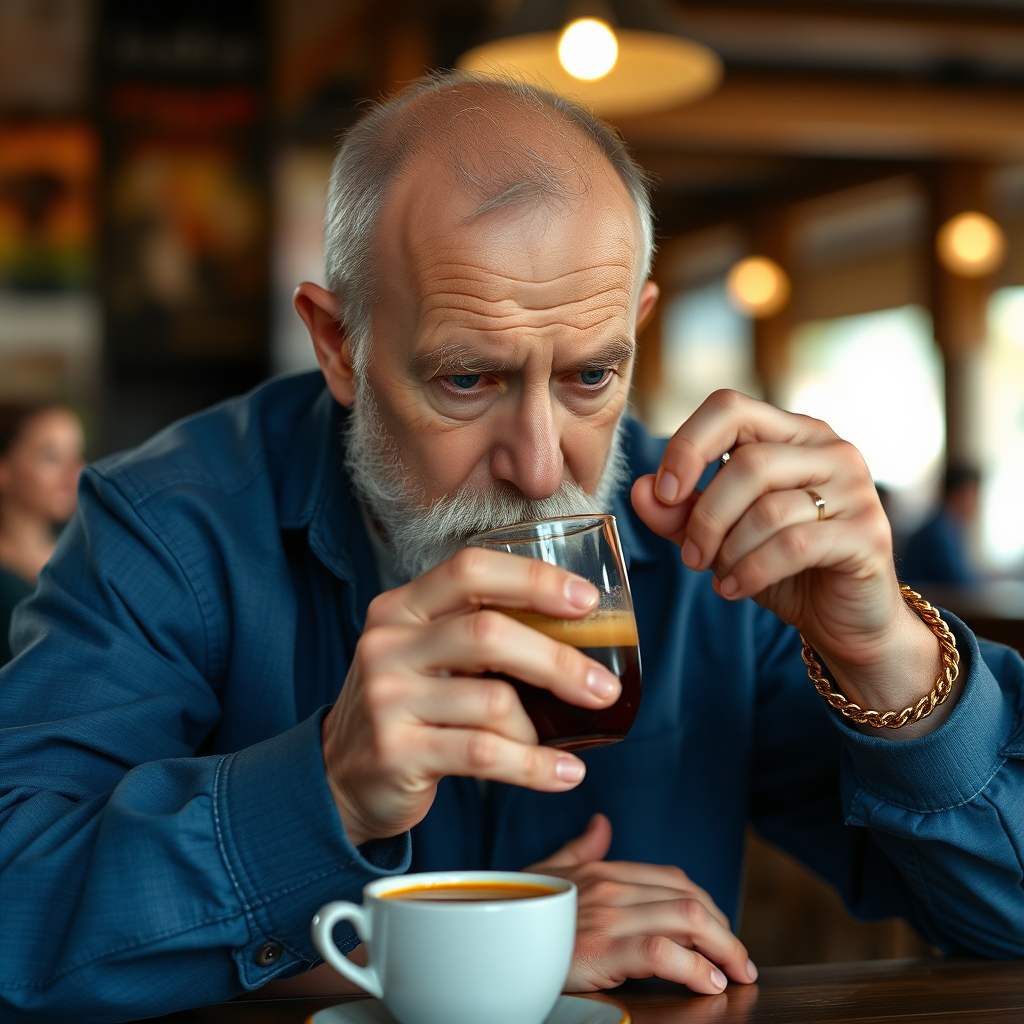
(839, 194)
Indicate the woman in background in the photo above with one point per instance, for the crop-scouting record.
(40, 460)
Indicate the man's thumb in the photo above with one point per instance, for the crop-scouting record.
(592, 845)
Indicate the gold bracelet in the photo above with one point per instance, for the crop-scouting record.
(915, 712)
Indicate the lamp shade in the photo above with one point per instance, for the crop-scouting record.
(646, 68)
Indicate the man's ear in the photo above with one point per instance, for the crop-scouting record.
(318, 309)
(648, 297)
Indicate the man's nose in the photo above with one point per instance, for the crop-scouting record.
(529, 454)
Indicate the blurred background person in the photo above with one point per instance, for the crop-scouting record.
(41, 448)
(937, 552)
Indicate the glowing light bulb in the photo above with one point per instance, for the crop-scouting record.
(588, 49)
(758, 286)
(970, 245)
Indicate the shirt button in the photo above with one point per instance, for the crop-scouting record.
(268, 954)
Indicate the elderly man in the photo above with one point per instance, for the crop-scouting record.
(183, 785)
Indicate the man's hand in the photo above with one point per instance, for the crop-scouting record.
(413, 708)
(639, 920)
(757, 529)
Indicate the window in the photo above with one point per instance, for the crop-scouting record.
(706, 345)
(1002, 499)
(876, 379)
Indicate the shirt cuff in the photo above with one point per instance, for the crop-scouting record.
(285, 848)
(947, 767)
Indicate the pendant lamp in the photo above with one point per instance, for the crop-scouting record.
(619, 57)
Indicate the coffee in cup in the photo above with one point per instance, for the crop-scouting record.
(459, 947)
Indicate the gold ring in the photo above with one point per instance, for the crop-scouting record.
(819, 503)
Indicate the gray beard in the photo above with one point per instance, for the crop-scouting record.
(422, 537)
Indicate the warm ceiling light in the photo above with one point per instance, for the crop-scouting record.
(758, 287)
(971, 245)
(639, 67)
(588, 49)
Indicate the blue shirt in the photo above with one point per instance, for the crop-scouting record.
(163, 806)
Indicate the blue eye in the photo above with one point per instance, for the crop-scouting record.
(592, 377)
(465, 380)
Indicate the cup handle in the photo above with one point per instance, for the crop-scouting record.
(324, 921)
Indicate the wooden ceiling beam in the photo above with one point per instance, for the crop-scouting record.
(813, 115)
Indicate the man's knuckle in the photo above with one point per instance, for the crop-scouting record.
(769, 512)
(487, 629)
(726, 400)
(468, 566)
(375, 643)
(694, 913)
(752, 459)
(482, 750)
(703, 522)
(657, 950)
(846, 453)
(379, 609)
(499, 700)
(680, 879)
(604, 891)
(815, 428)
(794, 543)
(382, 691)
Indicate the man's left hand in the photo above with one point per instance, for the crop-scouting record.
(643, 920)
(757, 529)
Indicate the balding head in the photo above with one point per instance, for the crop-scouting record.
(496, 142)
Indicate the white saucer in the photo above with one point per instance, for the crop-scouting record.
(568, 1010)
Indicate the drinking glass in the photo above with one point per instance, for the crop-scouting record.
(587, 545)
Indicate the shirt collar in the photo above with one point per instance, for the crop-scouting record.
(316, 495)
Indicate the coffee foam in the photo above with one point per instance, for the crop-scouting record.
(603, 628)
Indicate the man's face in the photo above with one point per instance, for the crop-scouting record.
(503, 347)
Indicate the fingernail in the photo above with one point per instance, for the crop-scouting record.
(568, 769)
(601, 683)
(668, 486)
(718, 979)
(691, 554)
(751, 970)
(729, 586)
(580, 593)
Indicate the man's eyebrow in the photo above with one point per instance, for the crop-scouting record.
(610, 354)
(452, 358)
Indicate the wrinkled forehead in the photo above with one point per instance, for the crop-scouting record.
(432, 217)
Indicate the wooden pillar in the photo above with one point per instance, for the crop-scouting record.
(959, 307)
(771, 235)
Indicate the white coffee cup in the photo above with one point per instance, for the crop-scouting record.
(439, 961)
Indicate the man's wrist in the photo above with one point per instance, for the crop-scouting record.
(901, 675)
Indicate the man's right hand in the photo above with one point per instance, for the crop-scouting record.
(413, 709)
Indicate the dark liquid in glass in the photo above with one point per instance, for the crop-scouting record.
(609, 638)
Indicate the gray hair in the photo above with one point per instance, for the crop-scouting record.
(503, 170)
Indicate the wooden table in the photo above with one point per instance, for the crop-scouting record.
(923, 991)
